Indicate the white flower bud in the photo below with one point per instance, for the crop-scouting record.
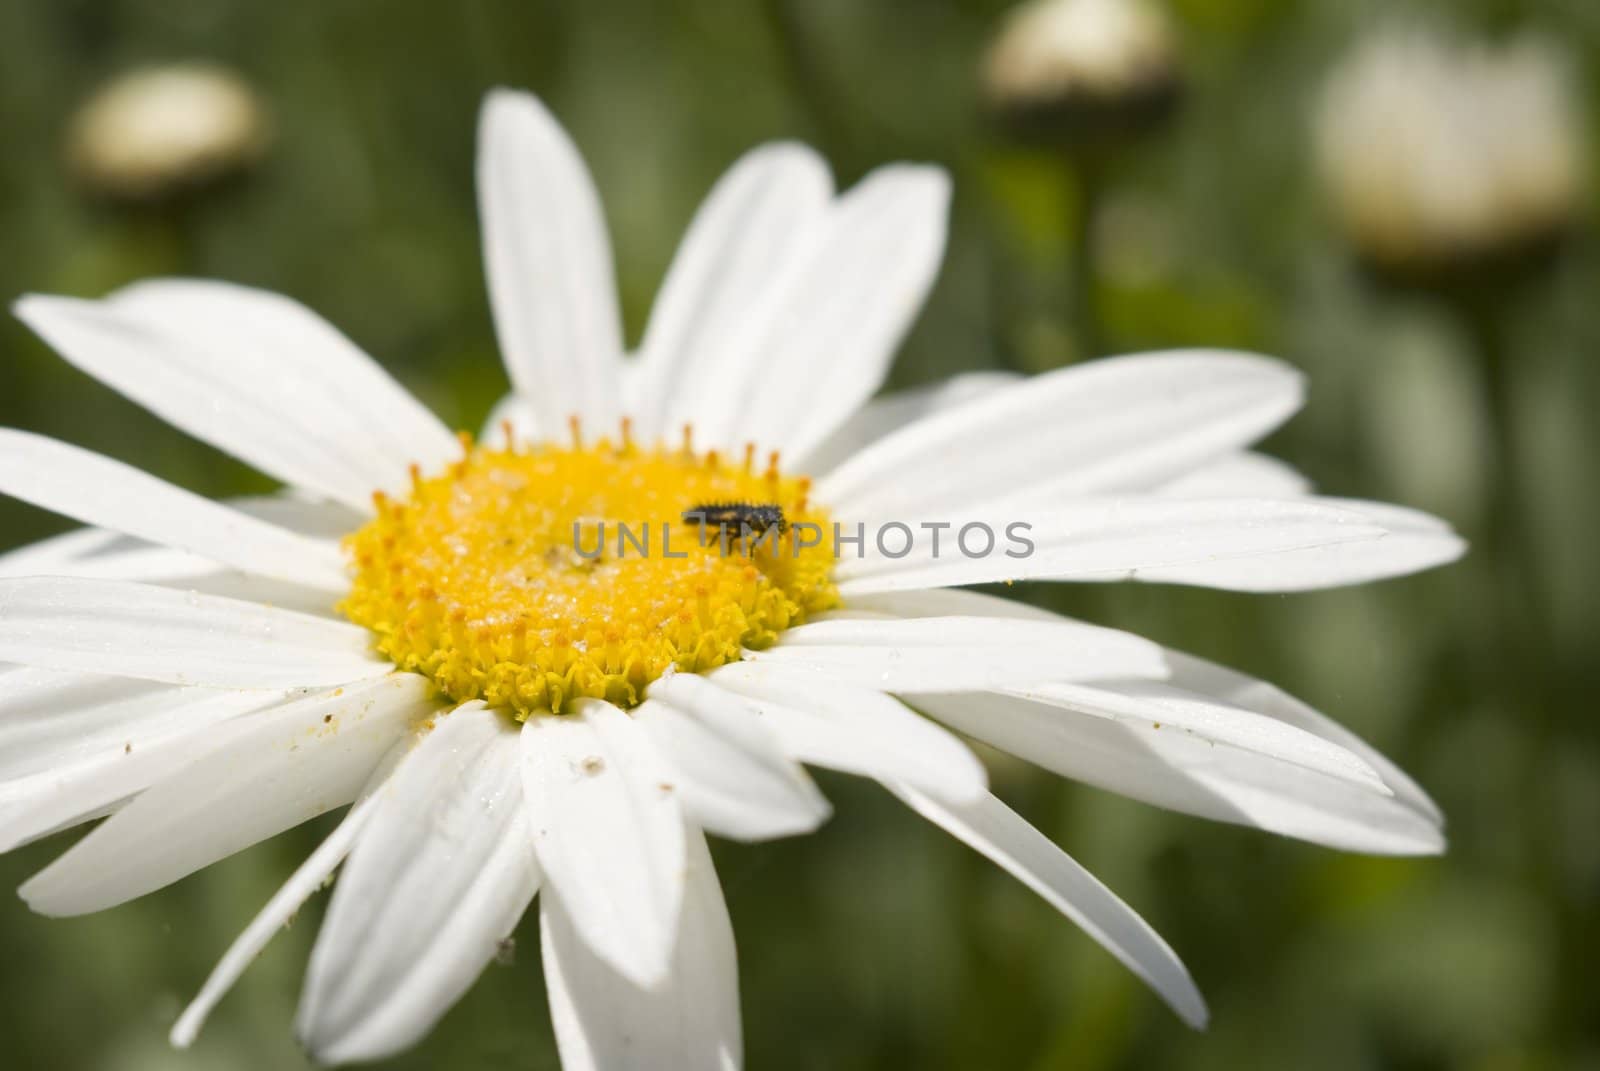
(1438, 155)
(163, 131)
(1105, 63)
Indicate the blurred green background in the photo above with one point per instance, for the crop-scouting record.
(881, 943)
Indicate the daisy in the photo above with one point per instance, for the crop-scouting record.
(1083, 52)
(1437, 152)
(408, 631)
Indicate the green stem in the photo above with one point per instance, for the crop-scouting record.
(1509, 536)
(1083, 306)
(1524, 668)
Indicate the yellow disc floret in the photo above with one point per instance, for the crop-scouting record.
(528, 577)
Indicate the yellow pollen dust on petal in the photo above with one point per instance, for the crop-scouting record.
(493, 580)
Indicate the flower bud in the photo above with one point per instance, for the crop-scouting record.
(1442, 158)
(1069, 71)
(162, 132)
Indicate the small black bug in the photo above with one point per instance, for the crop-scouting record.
(734, 518)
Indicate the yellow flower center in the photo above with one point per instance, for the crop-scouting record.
(531, 577)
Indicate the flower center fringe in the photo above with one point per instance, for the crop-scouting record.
(529, 577)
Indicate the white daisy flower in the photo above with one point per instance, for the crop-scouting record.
(159, 132)
(507, 718)
(1054, 50)
(1436, 150)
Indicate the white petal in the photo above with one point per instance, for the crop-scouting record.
(1185, 773)
(308, 877)
(265, 773)
(1199, 678)
(97, 490)
(687, 1022)
(1125, 423)
(731, 772)
(242, 587)
(1413, 541)
(73, 751)
(155, 633)
(1163, 707)
(435, 882)
(47, 557)
(1028, 855)
(754, 222)
(956, 654)
(302, 514)
(306, 362)
(1242, 475)
(548, 260)
(1119, 539)
(823, 346)
(114, 558)
(608, 831)
(182, 571)
(891, 412)
(949, 602)
(1208, 679)
(117, 557)
(255, 375)
(823, 722)
(94, 553)
(49, 718)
